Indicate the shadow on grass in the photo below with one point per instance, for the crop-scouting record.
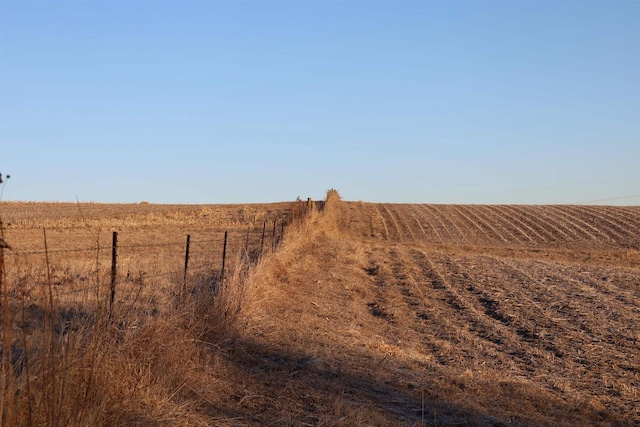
(284, 388)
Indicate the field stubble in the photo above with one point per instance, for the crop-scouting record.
(367, 314)
(456, 315)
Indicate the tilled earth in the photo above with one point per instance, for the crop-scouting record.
(472, 315)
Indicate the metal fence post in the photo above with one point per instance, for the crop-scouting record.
(224, 254)
(186, 264)
(273, 243)
(114, 258)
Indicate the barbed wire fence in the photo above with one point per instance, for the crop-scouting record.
(196, 255)
(63, 285)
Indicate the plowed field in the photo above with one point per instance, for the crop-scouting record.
(548, 293)
(525, 315)
(582, 227)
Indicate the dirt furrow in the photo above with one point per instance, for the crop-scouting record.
(609, 287)
(617, 226)
(493, 219)
(570, 221)
(625, 218)
(531, 288)
(428, 237)
(504, 292)
(572, 328)
(402, 217)
(396, 234)
(550, 221)
(481, 232)
(445, 275)
(577, 215)
(620, 312)
(519, 225)
(508, 322)
(588, 307)
(429, 318)
(384, 223)
(631, 216)
(442, 217)
(541, 226)
(612, 230)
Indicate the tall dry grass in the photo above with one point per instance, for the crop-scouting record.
(72, 362)
(79, 368)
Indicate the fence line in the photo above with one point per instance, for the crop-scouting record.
(242, 245)
(18, 252)
(143, 277)
(250, 245)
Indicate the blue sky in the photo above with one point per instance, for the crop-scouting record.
(258, 101)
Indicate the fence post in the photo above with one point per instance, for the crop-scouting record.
(186, 264)
(273, 243)
(224, 254)
(264, 227)
(114, 257)
(281, 231)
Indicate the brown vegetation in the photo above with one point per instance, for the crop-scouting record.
(367, 314)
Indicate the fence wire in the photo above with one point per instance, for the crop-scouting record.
(261, 238)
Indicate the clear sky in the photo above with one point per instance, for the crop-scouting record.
(258, 101)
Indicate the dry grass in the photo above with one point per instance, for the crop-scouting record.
(153, 359)
(365, 315)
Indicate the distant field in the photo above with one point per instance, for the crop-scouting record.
(24, 215)
(366, 314)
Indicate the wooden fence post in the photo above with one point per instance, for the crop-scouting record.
(114, 257)
(186, 264)
(224, 254)
(273, 243)
(264, 227)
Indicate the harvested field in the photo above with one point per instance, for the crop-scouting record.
(387, 314)
(462, 315)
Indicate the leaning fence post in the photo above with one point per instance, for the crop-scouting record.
(224, 254)
(186, 264)
(114, 257)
